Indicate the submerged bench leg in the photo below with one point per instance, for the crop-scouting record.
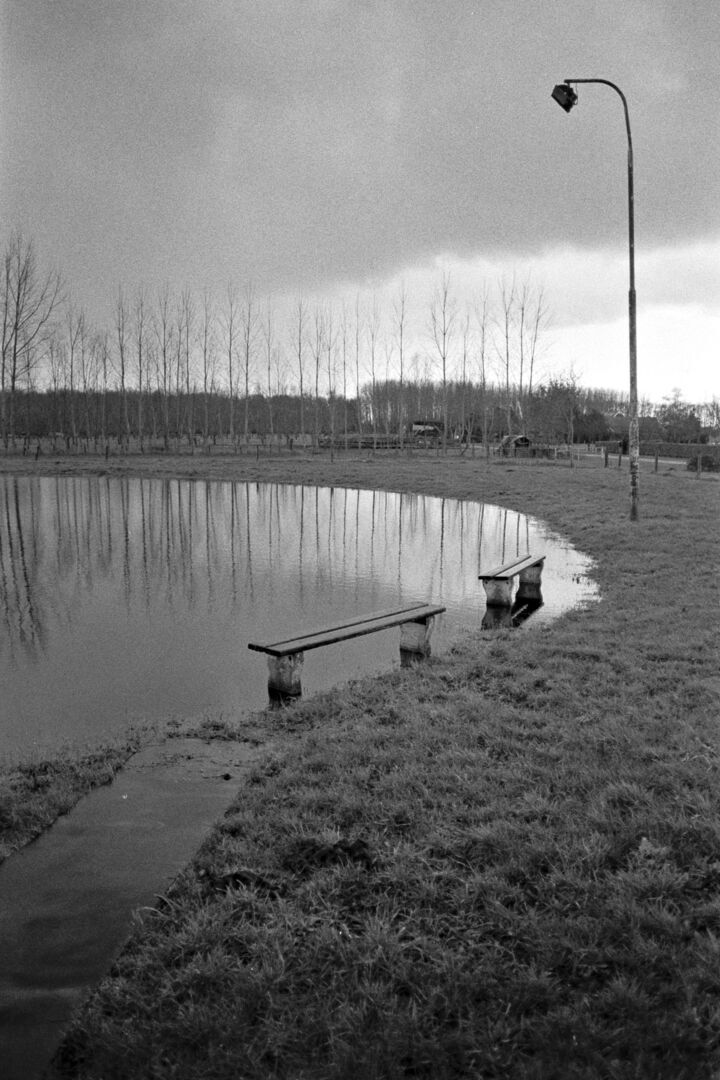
(530, 580)
(284, 677)
(497, 618)
(415, 640)
(498, 591)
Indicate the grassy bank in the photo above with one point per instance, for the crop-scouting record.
(504, 864)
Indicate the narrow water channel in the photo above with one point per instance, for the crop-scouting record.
(125, 600)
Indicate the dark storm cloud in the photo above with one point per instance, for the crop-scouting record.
(301, 143)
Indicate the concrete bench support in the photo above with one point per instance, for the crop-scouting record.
(499, 583)
(285, 676)
(415, 640)
(529, 582)
(285, 658)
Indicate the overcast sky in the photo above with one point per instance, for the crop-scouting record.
(326, 146)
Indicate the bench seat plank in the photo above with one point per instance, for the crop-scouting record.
(356, 627)
(510, 569)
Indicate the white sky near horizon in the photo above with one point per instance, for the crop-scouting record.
(328, 147)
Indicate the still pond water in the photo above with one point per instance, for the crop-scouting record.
(125, 600)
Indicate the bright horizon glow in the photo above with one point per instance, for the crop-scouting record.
(677, 342)
(678, 328)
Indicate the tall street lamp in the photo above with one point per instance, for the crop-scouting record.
(566, 98)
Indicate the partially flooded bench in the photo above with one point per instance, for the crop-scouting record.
(285, 656)
(499, 582)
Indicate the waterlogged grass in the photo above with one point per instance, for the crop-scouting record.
(504, 864)
(33, 794)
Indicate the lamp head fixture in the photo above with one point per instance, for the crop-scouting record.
(565, 96)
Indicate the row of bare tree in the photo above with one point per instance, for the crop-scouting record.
(175, 365)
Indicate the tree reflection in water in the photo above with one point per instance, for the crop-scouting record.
(132, 598)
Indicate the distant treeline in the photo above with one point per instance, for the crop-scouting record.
(183, 366)
(556, 413)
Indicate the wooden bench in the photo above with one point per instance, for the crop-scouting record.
(285, 657)
(498, 583)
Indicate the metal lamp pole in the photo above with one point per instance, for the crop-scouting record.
(566, 97)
